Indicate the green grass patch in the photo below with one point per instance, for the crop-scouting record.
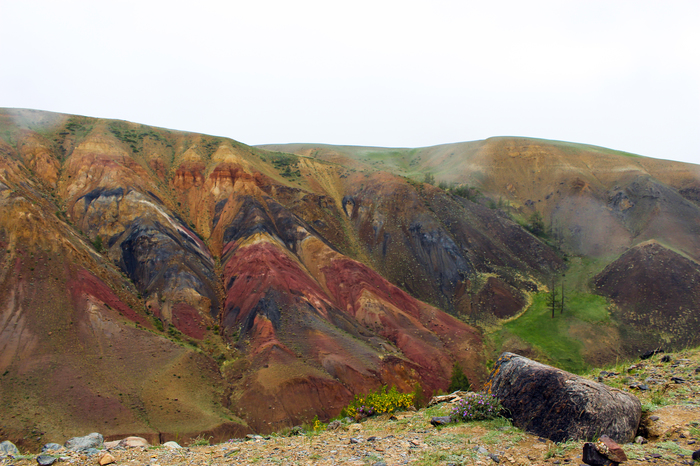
(552, 335)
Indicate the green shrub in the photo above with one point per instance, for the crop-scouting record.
(379, 402)
(459, 380)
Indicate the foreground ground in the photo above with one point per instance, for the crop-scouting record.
(670, 397)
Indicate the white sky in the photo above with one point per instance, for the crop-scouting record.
(619, 74)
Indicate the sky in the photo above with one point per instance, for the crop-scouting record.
(617, 74)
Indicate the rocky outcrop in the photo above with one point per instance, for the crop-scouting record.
(560, 406)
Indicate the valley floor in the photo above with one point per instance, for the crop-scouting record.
(670, 422)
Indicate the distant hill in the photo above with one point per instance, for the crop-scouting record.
(162, 282)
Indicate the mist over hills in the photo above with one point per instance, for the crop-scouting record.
(169, 283)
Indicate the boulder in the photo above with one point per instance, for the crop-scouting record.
(88, 442)
(173, 445)
(8, 448)
(559, 405)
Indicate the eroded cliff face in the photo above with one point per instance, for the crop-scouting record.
(174, 282)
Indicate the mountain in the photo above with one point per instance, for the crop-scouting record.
(168, 284)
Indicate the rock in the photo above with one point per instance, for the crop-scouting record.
(51, 447)
(654, 418)
(451, 398)
(640, 440)
(593, 457)
(45, 460)
(666, 358)
(355, 440)
(481, 450)
(696, 455)
(677, 380)
(494, 458)
(134, 442)
(607, 447)
(91, 451)
(112, 444)
(93, 440)
(106, 458)
(650, 353)
(8, 448)
(172, 444)
(440, 420)
(559, 405)
(697, 370)
(334, 425)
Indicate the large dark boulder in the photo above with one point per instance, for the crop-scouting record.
(559, 405)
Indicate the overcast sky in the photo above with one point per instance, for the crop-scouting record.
(619, 74)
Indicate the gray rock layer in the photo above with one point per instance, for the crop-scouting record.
(559, 405)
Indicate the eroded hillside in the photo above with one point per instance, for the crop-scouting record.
(171, 282)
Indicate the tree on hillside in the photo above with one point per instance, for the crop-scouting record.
(429, 178)
(459, 380)
(553, 295)
(535, 223)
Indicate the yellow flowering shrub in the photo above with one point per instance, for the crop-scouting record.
(379, 402)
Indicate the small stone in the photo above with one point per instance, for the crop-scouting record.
(481, 450)
(355, 440)
(644, 387)
(379, 463)
(666, 358)
(112, 444)
(677, 380)
(45, 460)
(494, 458)
(691, 442)
(372, 439)
(440, 420)
(593, 457)
(640, 440)
(106, 458)
(172, 444)
(51, 447)
(613, 451)
(654, 418)
(134, 442)
(231, 452)
(334, 425)
(8, 448)
(696, 455)
(93, 440)
(355, 427)
(697, 370)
